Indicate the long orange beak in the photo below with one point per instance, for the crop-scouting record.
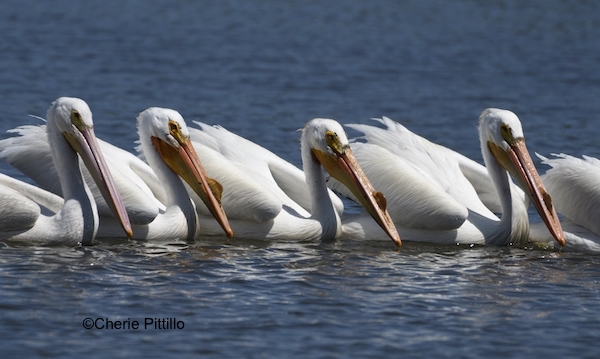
(519, 164)
(346, 169)
(87, 147)
(185, 162)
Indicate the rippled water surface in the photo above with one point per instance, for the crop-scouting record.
(262, 69)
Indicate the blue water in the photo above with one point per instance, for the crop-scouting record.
(262, 69)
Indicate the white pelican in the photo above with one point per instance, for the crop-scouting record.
(74, 219)
(437, 195)
(574, 185)
(266, 197)
(140, 189)
(154, 193)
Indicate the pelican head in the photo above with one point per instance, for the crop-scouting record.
(73, 118)
(169, 135)
(501, 132)
(330, 147)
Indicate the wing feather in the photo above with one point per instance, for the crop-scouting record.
(574, 186)
(29, 152)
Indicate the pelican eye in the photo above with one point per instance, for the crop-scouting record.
(173, 127)
(175, 131)
(333, 141)
(76, 118)
(507, 134)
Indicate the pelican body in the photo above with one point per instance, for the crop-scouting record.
(166, 146)
(74, 218)
(154, 195)
(266, 197)
(574, 184)
(437, 195)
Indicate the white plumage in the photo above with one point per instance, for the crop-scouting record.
(72, 220)
(437, 195)
(265, 197)
(140, 189)
(154, 194)
(574, 184)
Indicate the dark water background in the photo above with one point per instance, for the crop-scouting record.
(262, 69)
